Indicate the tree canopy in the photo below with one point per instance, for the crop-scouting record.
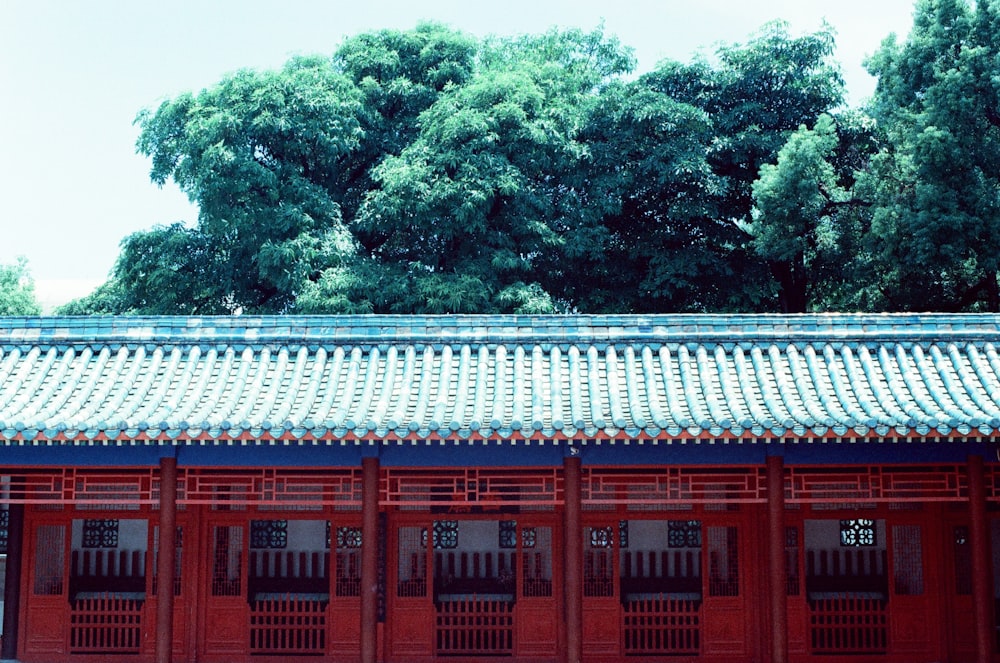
(17, 290)
(935, 181)
(430, 171)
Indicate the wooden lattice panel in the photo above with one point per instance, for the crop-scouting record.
(127, 489)
(472, 487)
(876, 484)
(36, 488)
(272, 488)
(112, 491)
(672, 485)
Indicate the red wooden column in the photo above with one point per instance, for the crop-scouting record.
(369, 559)
(573, 558)
(982, 590)
(778, 607)
(166, 560)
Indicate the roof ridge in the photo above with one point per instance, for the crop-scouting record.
(569, 328)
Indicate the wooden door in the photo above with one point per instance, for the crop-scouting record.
(795, 592)
(411, 609)
(727, 619)
(225, 616)
(912, 600)
(602, 607)
(345, 594)
(538, 608)
(46, 602)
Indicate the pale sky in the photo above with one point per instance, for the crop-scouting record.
(74, 74)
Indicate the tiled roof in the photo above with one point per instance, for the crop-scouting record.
(665, 377)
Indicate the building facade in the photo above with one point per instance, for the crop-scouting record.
(731, 489)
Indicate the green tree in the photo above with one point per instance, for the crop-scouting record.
(692, 139)
(935, 228)
(109, 298)
(17, 290)
(172, 270)
(278, 163)
(427, 171)
(650, 167)
(398, 74)
(260, 154)
(807, 224)
(482, 211)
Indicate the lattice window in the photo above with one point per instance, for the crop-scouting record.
(348, 537)
(684, 533)
(178, 563)
(908, 562)
(445, 534)
(49, 560)
(602, 537)
(723, 562)
(101, 533)
(792, 582)
(858, 533)
(412, 562)
(536, 561)
(508, 534)
(4, 525)
(227, 550)
(348, 561)
(963, 561)
(475, 626)
(271, 534)
(598, 561)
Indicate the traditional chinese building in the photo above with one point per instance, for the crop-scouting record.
(732, 489)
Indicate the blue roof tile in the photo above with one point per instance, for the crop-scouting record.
(554, 376)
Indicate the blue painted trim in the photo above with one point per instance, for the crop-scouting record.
(499, 454)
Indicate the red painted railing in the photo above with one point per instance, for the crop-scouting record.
(483, 627)
(105, 625)
(662, 626)
(849, 625)
(288, 626)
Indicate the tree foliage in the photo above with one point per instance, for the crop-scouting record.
(699, 134)
(260, 153)
(428, 171)
(935, 182)
(482, 208)
(17, 290)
